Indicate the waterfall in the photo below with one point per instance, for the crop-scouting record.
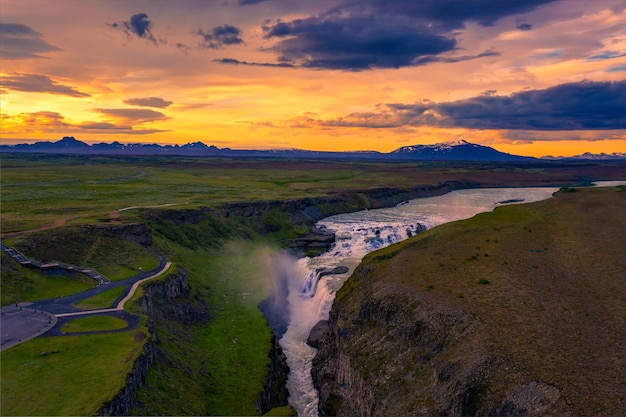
(310, 295)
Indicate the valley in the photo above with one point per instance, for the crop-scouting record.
(210, 346)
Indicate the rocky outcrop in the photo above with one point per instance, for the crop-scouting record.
(126, 399)
(318, 333)
(314, 243)
(138, 233)
(305, 212)
(403, 354)
(275, 393)
(174, 286)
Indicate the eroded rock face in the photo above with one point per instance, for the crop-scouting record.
(126, 399)
(398, 352)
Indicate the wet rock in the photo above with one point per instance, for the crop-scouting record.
(318, 332)
(334, 271)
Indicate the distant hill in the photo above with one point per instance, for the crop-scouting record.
(460, 150)
(448, 151)
(589, 156)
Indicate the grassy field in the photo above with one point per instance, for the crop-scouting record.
(70, 375)
(38, 190)
(93, 324)
(113, 256)
(30, 285)
(102, 300)
(222, 369)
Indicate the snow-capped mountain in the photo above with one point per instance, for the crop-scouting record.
(592, 156)
(459, 150)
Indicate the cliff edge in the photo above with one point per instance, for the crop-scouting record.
(518, 312)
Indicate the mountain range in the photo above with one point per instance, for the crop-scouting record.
(459, 150)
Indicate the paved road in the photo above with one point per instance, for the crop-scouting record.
(20, 324)
(29, 320)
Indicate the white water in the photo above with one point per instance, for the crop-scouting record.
(356, 235)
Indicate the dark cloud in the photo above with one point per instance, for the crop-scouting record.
(586, 105)
(232, 61)
(368, 34)
(149, 102)
(182, 47)
(139, 25)
(524, 26)
(22, 42)
(604, 55)
(133, 115)
(112, 128)
(355, 43)
(451, 14)
(220, 36)
(617, 68)
(249, 2)
(36, 83)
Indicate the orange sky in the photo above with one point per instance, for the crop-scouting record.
(333, 75)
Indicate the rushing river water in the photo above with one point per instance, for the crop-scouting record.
(310, 297)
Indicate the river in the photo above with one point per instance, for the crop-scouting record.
(310, 297)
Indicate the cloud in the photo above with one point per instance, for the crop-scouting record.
(220, 36)
(139, 25)
(149, 102)
(522, 25)
(112, 128)
(586, 105)
(451, 14)
(50, 121)
(604, 55)
(249, 2)
(35, 83)
(233, 61)
(22, 42)
(133, 116)
(617, 68)
(370, 34)
(47, 119)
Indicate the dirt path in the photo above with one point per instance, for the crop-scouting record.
(53, 225)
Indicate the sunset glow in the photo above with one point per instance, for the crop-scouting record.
(529, 77)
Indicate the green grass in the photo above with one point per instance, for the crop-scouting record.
(222, 368)
(89, 247)
(282, 411)
(40, 189)
(103, 300)
(75, 377)
(93, 324)
(32, 285)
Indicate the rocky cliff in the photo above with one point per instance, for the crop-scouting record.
(267, 217)
(174, 286)
(511, 313)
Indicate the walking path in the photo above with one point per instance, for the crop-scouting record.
(120, 305)
(26, 321)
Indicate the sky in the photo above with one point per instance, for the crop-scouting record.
(528, 77)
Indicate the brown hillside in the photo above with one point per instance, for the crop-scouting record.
(512, 313)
